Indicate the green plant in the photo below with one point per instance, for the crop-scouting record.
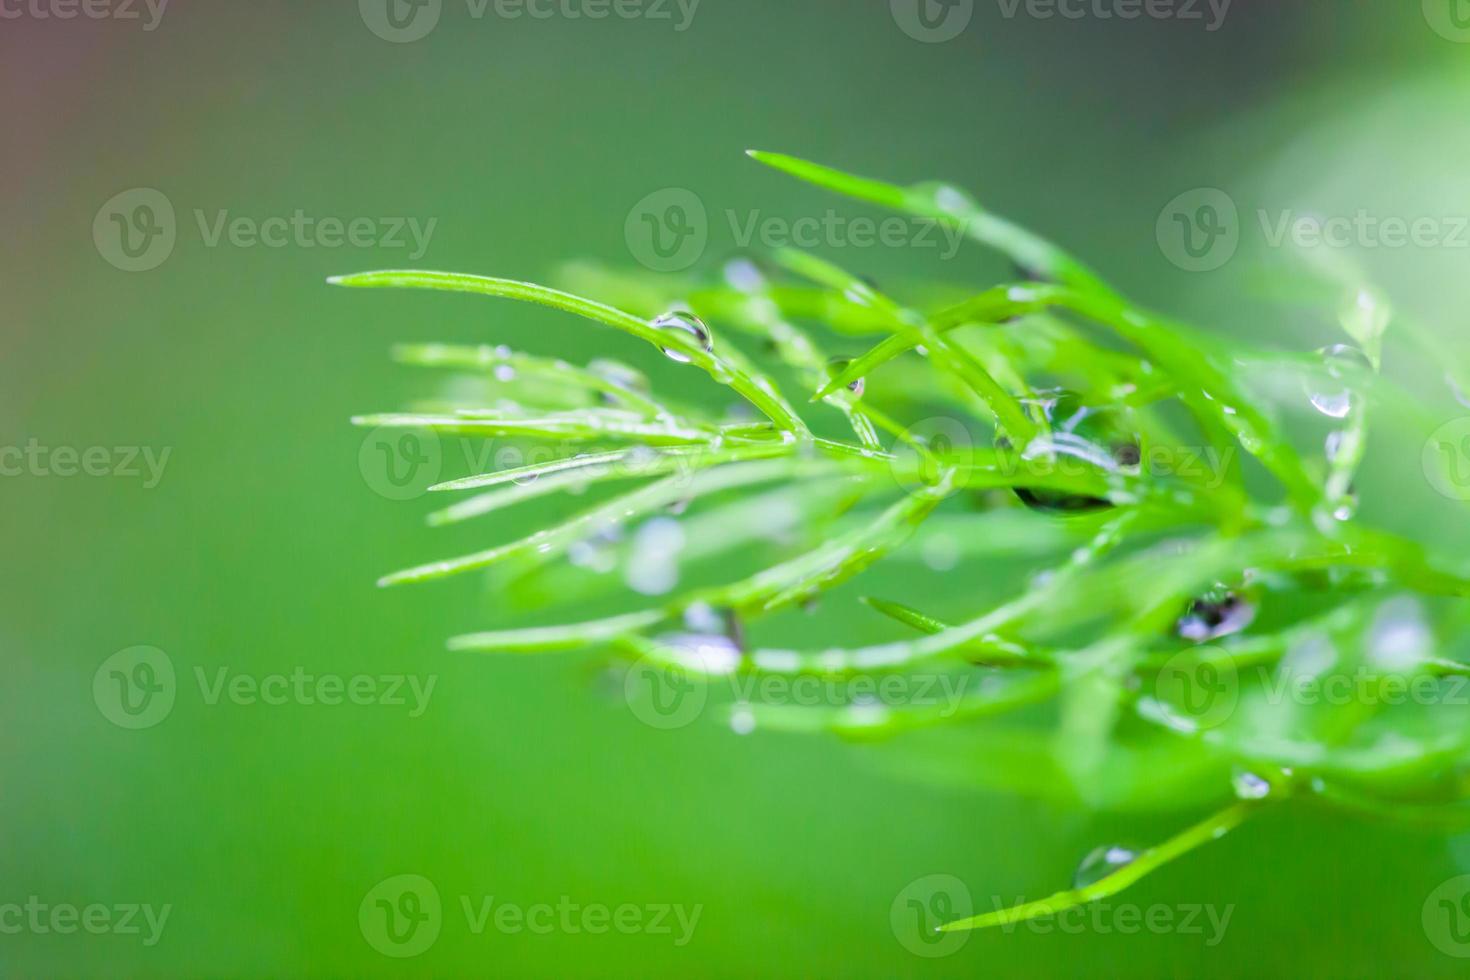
(1184, 613)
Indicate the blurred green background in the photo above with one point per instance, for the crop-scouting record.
(529, 141)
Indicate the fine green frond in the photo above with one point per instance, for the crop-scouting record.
(1126, 498)
(1149, 861)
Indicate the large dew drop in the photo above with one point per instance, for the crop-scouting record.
(1217, 613)
(1249, 786)
(1081, 437)
(1342, 361)
(682, 321)
(1102, 862)
(712, 642)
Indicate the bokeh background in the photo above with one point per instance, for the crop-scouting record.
(528, 141)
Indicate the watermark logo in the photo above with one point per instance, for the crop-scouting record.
(1199, 231)
(1211, 13)
(668, 230)
(1209, 922)
(1198, 688)
(148, 12)
(401, 916)
(1450, 19)
(135, 688)
(1446, 459)
(922, 907)
(65, 462)
(136, 230)
(39, 918)
(406, 21)
(1446, 917)
(400, 464)
(932, 21)
(664, 696)
(401, 21)
(572, 918)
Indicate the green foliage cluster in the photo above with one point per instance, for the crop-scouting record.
(1188, 615)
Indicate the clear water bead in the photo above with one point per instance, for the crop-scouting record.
(682, 321)
(1098, 437)
(839, 364)
(1249, 786)
(1342, 361)
(1101, 862)
(1217, 613)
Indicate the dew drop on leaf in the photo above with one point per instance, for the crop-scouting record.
(1336, 400)
(1217, 613)
(1101, 862)
(683, 321)
(744, 275)
(1249, 786)
(839, 364)
(1079, 435)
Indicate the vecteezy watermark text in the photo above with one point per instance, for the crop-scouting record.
(670, 229)
(138, 229)
(1201, 229)
(63, 462)
(148, 12)
(666, 695)
(920, 910)
(38, 918)
(936, 21)
(137, 688)
(406, 21)
(402, 917)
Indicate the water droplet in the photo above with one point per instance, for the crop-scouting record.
(505, 373)
(952, 200)
(653, 563)
(622, 375)
(1219, 612)
(1333, 445)
(1342, 361)
(684, 322)
(839, 364)
(940, 552)
(1249, 786)
(597, 552)
(744, 275)
(1101, 862)
(704, 619)
(704, 653)
(1399, 638)
(742, 721)
(1095, 436)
